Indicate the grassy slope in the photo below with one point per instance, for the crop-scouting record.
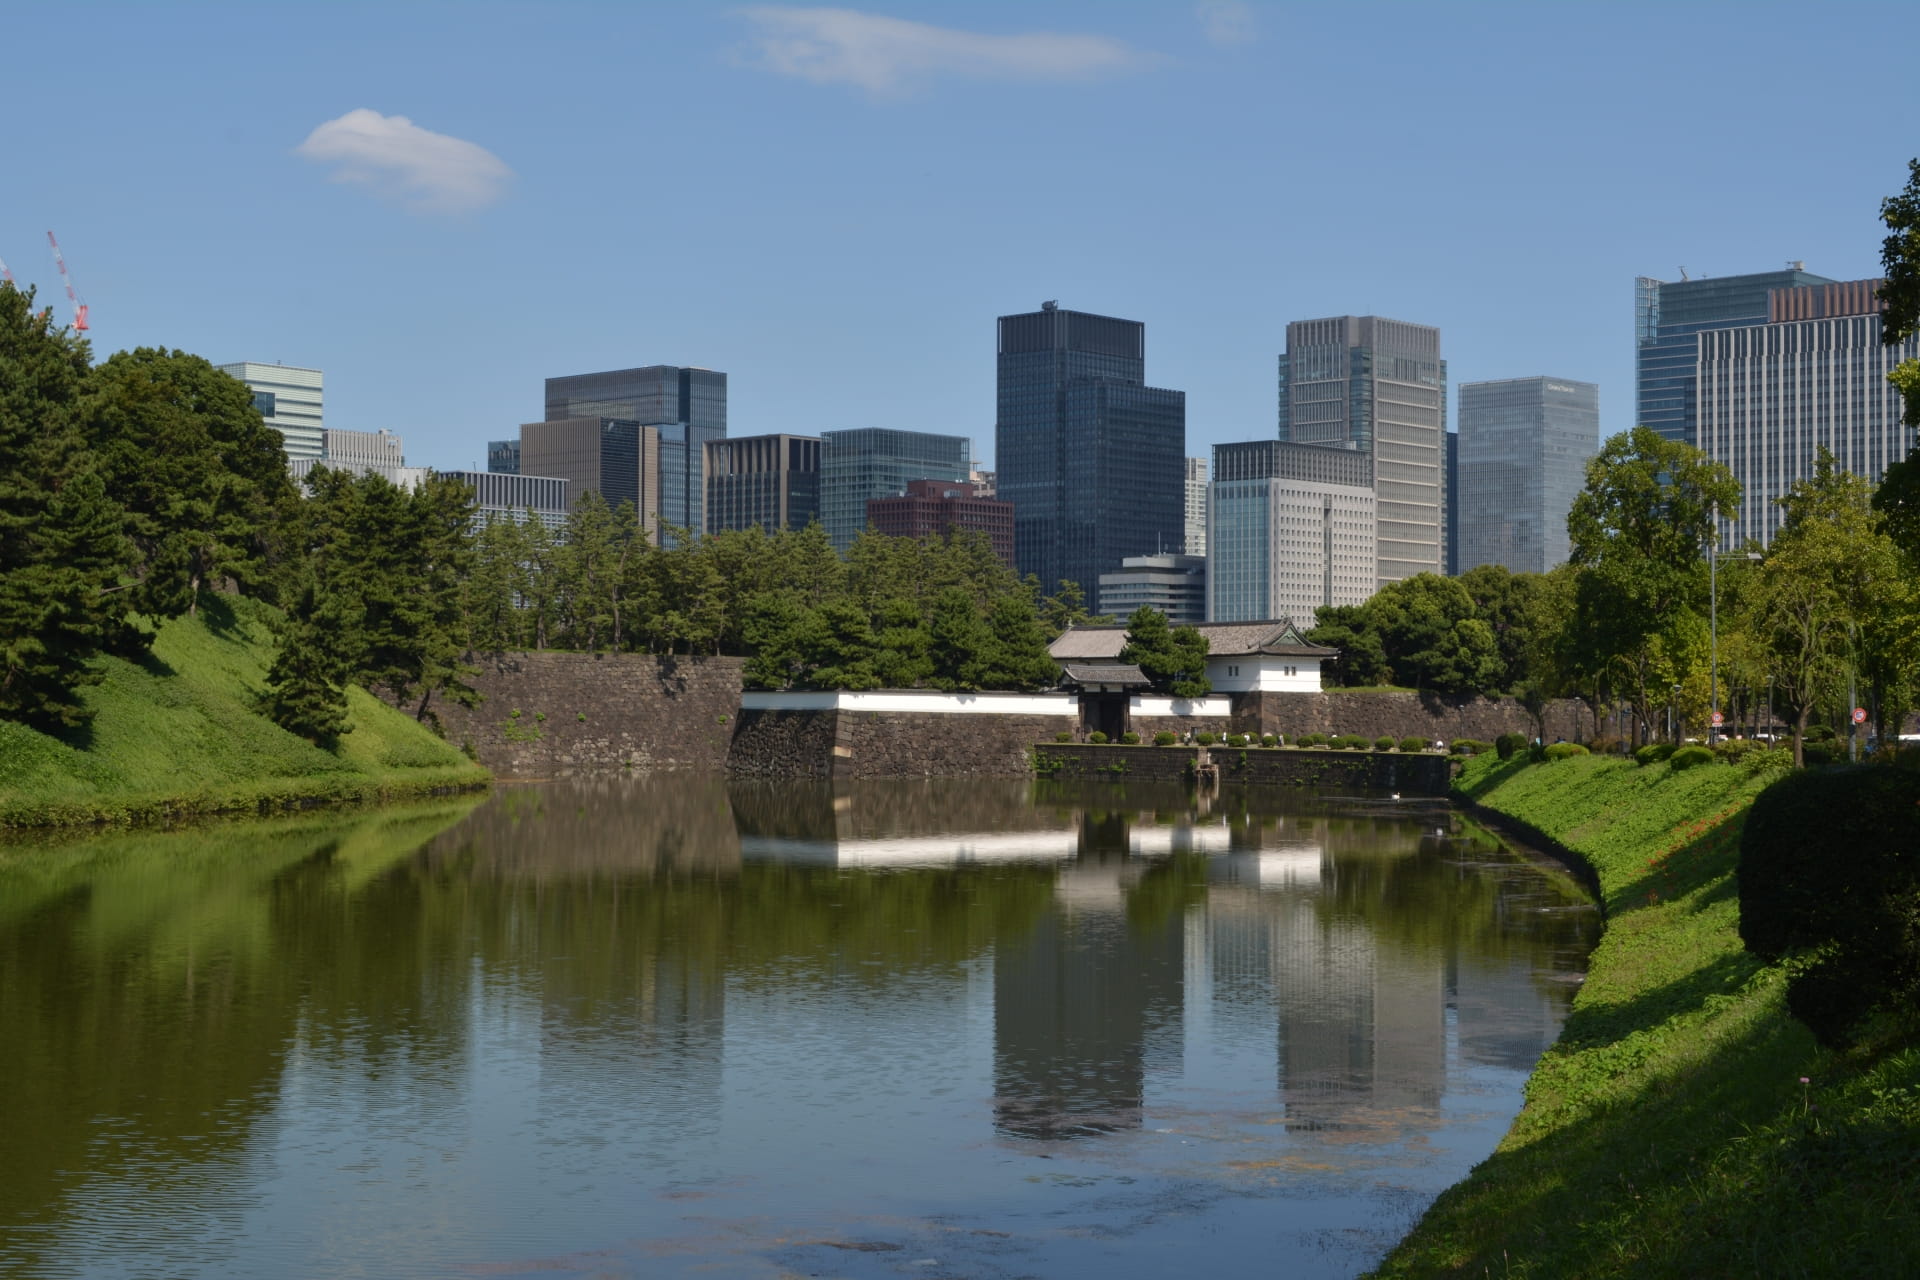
(178, 733)
(1668, 1132)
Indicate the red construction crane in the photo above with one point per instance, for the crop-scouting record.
(79, 307)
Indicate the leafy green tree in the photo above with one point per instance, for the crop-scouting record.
(1508, 603)
(1016, 657)
(1350, 629)
(1829, 571)
(1639, 530)
(62, 549)
(1898, 497)
(306, 685)
(390, 563)
(775, 629)
(1432, 636)
(1173, 659)
(840, 647)
(903, 647)
(490, 596)
(1066, 607)
(957, 640)
(200, 476)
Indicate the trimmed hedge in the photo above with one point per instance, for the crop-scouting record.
(1383, 743)
(1269, 739)
(1687, 757)
(1507, 744)
(1165, 738)
(1470, 746)
(1830, 863)
(1130, 738)
(1413, 744)
(1097, 738)
(1205, 738)
(1565, 751)
(1653, 753)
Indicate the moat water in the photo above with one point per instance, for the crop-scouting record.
(672, 1027)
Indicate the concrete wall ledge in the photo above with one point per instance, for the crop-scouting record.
(913, 701)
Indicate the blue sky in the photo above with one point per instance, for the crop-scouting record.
(442, 204)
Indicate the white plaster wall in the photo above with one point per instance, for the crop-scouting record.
(991, 704)
(1152, 706)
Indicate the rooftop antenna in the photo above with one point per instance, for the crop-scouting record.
(79, 307)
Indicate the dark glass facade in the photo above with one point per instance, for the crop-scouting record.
(1669, 317)
(878, 462)
(1524, 445)
(686, 406)
(1092, 459)
(769, 481)
(503, 457)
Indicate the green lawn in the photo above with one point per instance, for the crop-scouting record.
(1668, 1132)
(178, 733)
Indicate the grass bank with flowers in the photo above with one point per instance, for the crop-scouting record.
(1684, 1124)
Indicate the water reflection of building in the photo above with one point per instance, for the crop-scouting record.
(1088, 1002)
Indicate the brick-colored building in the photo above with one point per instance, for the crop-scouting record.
(931, 507)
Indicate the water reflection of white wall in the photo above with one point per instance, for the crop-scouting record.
(916, 851)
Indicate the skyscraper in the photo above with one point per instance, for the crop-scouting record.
(1090, 456)
(1290, 529)
(289, 399)
(687, 407)
(1813, 376)
(607, 456)
(1380, 386)
(877, 462)
(1668, 317)
(771, 481)
(1196, 507)
(1524, 445)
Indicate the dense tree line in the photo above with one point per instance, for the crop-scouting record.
(943, 613)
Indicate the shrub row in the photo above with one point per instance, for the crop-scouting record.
(1830, 868)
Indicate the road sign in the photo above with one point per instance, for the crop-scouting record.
(1718, 719)
(1859, 715)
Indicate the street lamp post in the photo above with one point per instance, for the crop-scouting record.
(1713, 630)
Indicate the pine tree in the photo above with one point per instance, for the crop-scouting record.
(62, 552)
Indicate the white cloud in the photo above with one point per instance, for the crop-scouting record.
(887, 55)
(1227, 21)
(427, 172)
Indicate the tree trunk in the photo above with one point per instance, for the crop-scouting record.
(1800, 732)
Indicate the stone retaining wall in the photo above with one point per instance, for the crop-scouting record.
(885, 744)
(1404, 715)
(1411, 773)
(584, 711)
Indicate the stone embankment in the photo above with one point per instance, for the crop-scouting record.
(576, 712)
(1418, 773)
(551, 712)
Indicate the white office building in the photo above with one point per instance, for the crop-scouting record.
(1290, 528)
(289, 399)
(1771, 396)
(1196, 539)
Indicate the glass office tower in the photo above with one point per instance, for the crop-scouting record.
(1668, 318)
(877, 462)
(1380, 386)
(1524, 446)
(686, 407)
(1091, 457)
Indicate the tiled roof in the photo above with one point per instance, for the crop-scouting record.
(1104, 673)
(1224, 639)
